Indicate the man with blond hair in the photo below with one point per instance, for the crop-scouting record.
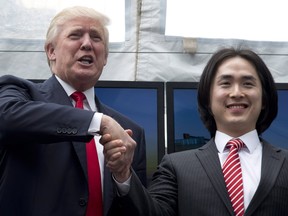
(51, 157)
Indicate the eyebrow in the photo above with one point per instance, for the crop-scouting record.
(227, 76)
(79, 28)
(75, 28)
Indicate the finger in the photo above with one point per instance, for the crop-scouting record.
(110, 152)
(113, 145)
(114, 154)
(114, 157)
(105, 139)
(129, 132)
(115, 166)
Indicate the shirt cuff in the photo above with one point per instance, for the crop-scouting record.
(94, 127)
(123, 188)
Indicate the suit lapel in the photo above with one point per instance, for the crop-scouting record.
(208, 156)
(54, 92)
(272, 160)
(103, 108)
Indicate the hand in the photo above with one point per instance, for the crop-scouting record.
(118, 148)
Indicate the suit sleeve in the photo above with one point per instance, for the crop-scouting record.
(159, 199)
(26, 115)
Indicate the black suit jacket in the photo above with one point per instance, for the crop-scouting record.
(191, 183)
(42, 150)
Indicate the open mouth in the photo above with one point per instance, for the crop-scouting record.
(237, 106)
(86, 60)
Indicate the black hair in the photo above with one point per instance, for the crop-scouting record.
(269, 91)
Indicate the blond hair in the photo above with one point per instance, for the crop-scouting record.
(73, 12)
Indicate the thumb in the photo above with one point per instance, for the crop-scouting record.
(129, 132)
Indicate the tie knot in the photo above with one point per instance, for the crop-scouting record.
(78, 97)
(235, 143)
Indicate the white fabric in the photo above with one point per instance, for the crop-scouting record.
(146, 55)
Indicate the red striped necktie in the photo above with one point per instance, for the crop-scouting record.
(94, 207)
(233, 176)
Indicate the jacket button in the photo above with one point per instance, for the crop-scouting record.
(82, 202)
(69, 131)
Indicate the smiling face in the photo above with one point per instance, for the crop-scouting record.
(236, 97)
(78, 53)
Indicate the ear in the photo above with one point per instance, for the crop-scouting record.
(50, 51)
(106, 57)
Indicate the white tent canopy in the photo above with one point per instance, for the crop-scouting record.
(143, 52)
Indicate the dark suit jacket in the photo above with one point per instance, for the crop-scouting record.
(191, 183)
(42, 150)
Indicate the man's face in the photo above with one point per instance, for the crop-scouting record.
(79, 52)
(236, 97)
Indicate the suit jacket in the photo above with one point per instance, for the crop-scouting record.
(42, 150)
(191, 183)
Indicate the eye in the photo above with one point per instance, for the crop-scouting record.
(95, 37)
(248, 84)
(224, 83)
(75, 35)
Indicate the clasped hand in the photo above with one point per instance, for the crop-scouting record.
(118, 148)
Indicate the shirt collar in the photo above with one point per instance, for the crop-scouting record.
(89, 93)
(251, 140)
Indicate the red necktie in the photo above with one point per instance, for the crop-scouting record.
(233, 176)
(94, 207)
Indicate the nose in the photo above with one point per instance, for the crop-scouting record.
(236, 91)
(86, 43)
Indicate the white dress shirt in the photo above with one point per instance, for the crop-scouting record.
(250, 159)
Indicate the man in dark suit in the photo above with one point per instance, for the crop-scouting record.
(43, 167)
(237, 98)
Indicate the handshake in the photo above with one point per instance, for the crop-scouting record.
(118, 148)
